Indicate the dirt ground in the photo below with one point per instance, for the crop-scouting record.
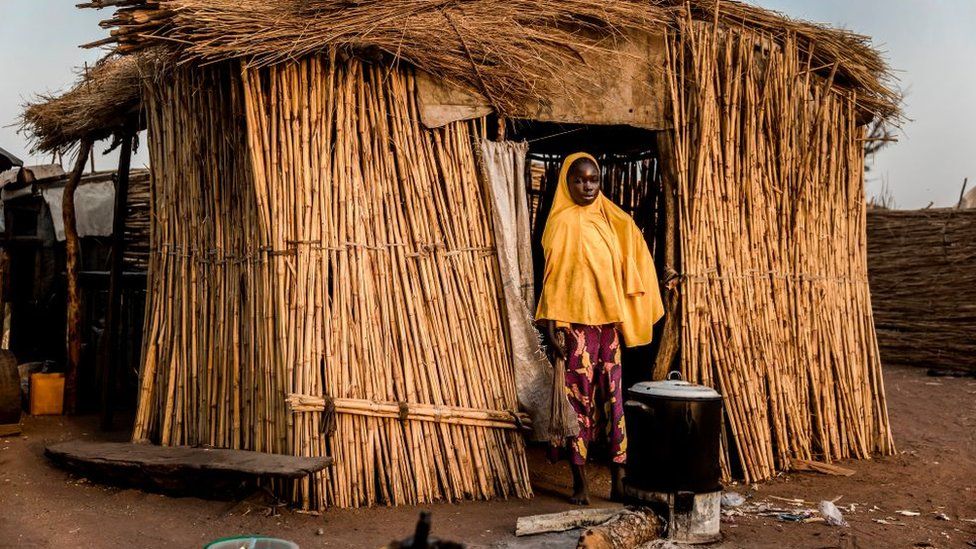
(934, 420)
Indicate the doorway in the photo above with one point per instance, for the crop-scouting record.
(631, 177)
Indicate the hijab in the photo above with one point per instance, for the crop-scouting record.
(586, 284)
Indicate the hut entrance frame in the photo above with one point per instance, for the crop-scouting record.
(632, 177)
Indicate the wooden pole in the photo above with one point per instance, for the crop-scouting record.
(962, 193)
(72, 248)
(670, 332)
(112, 316)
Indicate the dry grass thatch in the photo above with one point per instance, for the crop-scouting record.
(105, 100)
(507, 50)
(510, 51)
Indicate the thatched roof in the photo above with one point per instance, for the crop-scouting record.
(507, 50)
(105, 99)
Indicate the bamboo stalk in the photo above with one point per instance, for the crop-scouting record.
(358, 253)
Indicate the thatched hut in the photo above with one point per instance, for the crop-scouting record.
(324, 276)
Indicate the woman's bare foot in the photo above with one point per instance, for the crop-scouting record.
(616, 482)
(580, 495)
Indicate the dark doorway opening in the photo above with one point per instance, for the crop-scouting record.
(631, 170)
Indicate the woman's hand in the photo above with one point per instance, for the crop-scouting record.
(554, 344)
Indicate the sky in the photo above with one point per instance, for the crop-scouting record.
(930, 43)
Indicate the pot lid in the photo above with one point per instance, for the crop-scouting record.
(676, 388)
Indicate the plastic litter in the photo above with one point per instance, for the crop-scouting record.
(832, 514)
(732, 499)
(795, 517)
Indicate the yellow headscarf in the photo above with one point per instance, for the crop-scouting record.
(583, 284)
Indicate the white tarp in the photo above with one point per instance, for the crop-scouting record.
(94, 208)
(504, 170)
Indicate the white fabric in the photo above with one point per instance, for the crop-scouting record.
(504, 170)
(94, 208)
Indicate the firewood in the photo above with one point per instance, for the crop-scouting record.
(628, 530)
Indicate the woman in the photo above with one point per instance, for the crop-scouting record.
(599, 284)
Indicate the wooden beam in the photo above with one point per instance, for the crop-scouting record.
(72, 260)
(113, 315)
(670, 333)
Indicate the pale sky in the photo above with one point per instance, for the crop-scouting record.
(931, 43)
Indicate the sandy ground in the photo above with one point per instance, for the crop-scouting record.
(934, 472)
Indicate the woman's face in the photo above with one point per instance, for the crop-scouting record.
(583, 180)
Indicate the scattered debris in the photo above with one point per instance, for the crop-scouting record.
(320, 532)
(795, 517)
(832, 514)
(732, 499)
(908, 513)
(793, 501)
(941, 516)
(889, 522)
(820, 467)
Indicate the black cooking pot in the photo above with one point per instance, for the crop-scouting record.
(673, 430)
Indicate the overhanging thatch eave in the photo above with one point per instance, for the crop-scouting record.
(506, 50)
(106, 100)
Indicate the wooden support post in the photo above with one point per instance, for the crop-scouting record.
(671, 332)
(113, 316)
(72, 258)
(500, 136)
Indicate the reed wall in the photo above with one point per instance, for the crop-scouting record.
(775, 305)
(923, 284)
(324, 282)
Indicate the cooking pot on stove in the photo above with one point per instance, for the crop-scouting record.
(673, 430)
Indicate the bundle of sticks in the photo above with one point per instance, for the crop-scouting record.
(136, 255)
(922, 265)
(776, 312)
(324, 282)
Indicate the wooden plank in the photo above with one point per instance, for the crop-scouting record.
(177, 459)
(567, 520)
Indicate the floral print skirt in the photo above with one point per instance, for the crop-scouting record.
(593, 385)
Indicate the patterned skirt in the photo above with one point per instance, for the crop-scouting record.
(594, 388)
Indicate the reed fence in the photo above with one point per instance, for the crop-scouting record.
(922, 265)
